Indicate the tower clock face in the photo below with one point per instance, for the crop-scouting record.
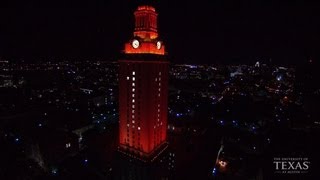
(159, 45)
(135, 43)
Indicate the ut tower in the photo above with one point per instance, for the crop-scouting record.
(143, 89)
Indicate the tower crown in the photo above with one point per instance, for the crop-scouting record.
(146, 22)
(145, 36)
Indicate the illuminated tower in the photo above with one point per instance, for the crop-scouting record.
(143, 86)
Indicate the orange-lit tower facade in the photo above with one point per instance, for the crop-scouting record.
(143, 89)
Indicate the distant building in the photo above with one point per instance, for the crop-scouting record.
(50, 147)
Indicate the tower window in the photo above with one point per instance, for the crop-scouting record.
(133, 73)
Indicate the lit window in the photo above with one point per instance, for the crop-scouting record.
(159, 84)
(132, 111)
(161, 123)
(138, 128)
(133, 95)
(68, 145)
(159, 94)
(133, 84)
(128, 78)
(128, 125)
(160, 73)
(133, 100)
(132, 116)
(133, 89)
(156, 80)
(158, 110)
(159, 78)
(133, 78)
(133, 106)
(159, 89)
(132, 126)
(133, 122)
(158, 105)
(133, 73)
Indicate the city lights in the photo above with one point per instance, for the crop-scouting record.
(92, 93)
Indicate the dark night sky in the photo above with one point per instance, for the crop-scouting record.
(194, 31)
